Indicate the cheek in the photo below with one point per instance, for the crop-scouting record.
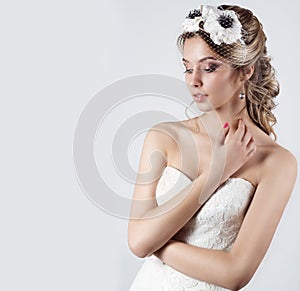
(215, 83)
(224, 83)
(222, 89)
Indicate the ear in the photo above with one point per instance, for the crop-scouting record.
(247, 72)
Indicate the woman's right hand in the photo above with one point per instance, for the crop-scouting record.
(235, 148)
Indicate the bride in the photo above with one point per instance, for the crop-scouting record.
(211, 190)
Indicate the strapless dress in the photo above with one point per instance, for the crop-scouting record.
(214, 226)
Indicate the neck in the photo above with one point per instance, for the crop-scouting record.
(232, 116)
(215, 120)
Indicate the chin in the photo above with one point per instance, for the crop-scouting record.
(205, 107)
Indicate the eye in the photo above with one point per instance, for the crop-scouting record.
(188, 71)
(209, 68)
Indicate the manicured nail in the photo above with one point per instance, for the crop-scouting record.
(226, 125)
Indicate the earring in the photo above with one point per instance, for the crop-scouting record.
(242, 95)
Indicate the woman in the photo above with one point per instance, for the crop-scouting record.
(208, 199)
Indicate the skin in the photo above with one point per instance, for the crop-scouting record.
(250, 154)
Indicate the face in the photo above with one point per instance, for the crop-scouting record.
(213, 84)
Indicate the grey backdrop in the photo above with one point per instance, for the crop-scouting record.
(55, 55)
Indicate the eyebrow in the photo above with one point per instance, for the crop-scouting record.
(201, 60)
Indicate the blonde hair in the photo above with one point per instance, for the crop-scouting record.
(262, 87)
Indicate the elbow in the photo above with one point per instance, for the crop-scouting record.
(139, 242)
(138, 248)
(239, 284)
(239, 278)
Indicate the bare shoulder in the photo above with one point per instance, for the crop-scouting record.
(165, 134)
(282, 157)
(280, 163)
(170, 125)
(169, 129)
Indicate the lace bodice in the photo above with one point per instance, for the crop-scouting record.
(214, 226)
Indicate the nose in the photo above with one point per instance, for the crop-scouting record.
(195, 79)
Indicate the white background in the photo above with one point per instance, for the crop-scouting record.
(55, 55)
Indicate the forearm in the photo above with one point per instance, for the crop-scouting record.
(217, 267)
(159, 224)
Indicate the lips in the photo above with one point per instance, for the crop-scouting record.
(199, 97)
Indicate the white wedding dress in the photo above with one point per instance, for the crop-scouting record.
(214, 226)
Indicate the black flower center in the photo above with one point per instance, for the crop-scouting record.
(194, 13)
(225, 21)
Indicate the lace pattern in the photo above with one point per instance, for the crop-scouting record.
(214, 226)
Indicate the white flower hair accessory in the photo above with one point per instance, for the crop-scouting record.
(223, 26)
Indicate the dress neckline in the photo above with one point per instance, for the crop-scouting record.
(231, 178)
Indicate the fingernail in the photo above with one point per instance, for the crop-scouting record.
(226, 125)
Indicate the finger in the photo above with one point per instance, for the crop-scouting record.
(251, 153)
(251, 149)
(224, 133)
(247, 137)
(226, 128)
(240, 132)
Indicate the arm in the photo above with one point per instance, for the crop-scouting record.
(151, 226)
(235, 268)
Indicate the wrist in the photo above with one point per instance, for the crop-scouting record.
(208, 182)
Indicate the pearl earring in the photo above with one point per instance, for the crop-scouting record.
(242, 95)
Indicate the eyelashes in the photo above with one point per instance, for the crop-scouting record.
(206, 69)
(187, 71)
(212, 68)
